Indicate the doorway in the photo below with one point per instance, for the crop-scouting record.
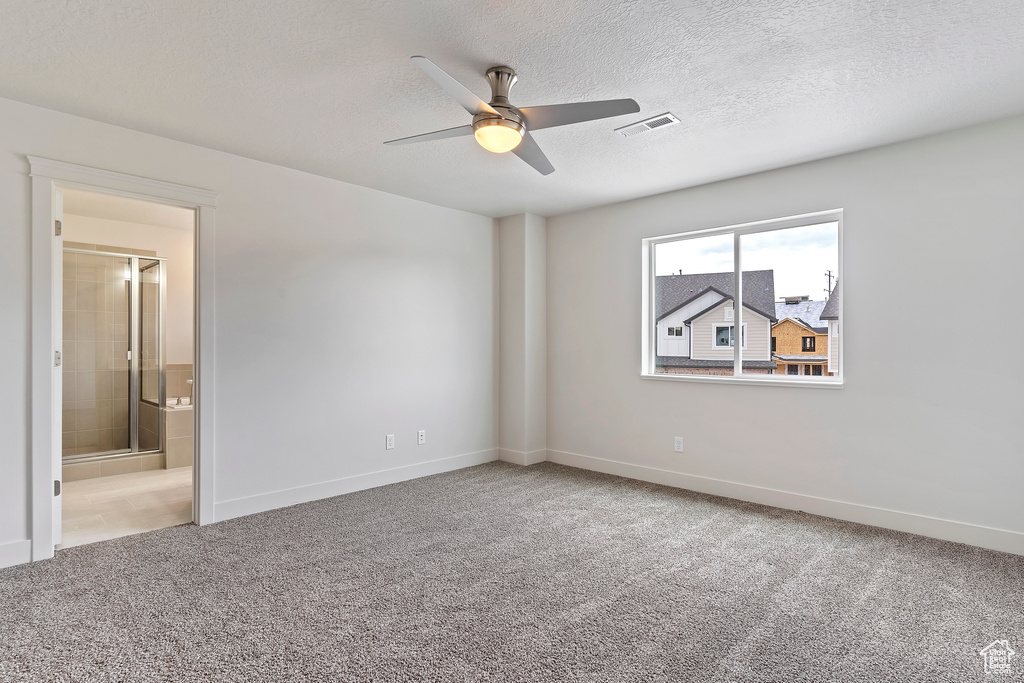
(127, 338)
(165, 425)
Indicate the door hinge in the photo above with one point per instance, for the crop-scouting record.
(56, 487)
(56, 359)
(57, 228)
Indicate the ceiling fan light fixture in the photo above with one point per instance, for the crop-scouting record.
(498, 135)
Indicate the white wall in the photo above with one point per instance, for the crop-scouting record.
(313, 371)
(918, 428)
(171, 243)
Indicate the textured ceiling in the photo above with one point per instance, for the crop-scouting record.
(319, 85)
(95, 205)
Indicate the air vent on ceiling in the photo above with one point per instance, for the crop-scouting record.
(659, 121)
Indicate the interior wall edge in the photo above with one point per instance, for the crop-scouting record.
(521, 457)
(1003, 540)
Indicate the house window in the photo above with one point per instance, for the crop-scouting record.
(816, 370)
(694, 278)
(724, 336)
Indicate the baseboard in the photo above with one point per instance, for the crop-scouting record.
(933, 527)
(15, 552)
(249, 505)
(522, 458)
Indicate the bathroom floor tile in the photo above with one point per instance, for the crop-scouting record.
(109, 507)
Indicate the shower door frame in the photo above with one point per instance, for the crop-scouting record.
(48, 179)
(135, 351)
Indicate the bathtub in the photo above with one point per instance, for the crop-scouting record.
(177, 433)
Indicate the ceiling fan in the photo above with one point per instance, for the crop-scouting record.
(499, 127)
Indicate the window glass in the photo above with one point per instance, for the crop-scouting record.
(789, 311)
(723, 336)
(692, 279)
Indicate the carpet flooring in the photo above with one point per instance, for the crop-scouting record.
(506, 573)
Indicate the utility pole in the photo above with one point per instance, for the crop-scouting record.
(830, 276)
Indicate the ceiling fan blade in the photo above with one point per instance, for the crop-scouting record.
(436, 135)
(552, 115)
(529, 151)
(461, 94)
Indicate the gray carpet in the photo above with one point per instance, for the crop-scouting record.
(504, 573)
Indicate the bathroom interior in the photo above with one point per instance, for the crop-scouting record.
(127, 351)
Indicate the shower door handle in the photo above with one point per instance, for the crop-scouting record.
(128, 355)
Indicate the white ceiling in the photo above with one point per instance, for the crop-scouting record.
(319, 85)
(95, 205)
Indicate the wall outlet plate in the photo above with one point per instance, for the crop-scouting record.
(390, 442)
(421, 437)
(677, 444)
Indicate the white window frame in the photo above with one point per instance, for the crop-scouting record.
(714, 335)
(648, 325)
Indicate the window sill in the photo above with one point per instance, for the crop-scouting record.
(725, 379)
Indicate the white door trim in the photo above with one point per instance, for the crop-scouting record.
(47, 177)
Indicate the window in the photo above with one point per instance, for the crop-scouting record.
(790, 268)
(816, 370)
(724, 334)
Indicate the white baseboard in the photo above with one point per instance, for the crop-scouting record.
(522, 458)
(15, 552)
(933, 527)
(249, 505)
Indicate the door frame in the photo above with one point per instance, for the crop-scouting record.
(48, 177)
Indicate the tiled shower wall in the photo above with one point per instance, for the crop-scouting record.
(95, 366)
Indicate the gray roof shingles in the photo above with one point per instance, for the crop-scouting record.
(831, 310)
(672, 291)
(807, 313)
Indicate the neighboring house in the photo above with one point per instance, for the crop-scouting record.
(800, 338)
(830, 314)
(695, 323)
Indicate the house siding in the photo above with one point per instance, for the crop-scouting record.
(758, 335)
(833, 348)
(680, 346)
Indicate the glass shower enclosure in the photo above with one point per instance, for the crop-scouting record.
(114, 354)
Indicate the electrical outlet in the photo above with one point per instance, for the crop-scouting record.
(678, 444)
(390, 442)
(421, 437)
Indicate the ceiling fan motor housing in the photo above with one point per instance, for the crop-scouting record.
(501, 78)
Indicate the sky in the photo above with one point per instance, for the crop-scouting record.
(799, 256)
